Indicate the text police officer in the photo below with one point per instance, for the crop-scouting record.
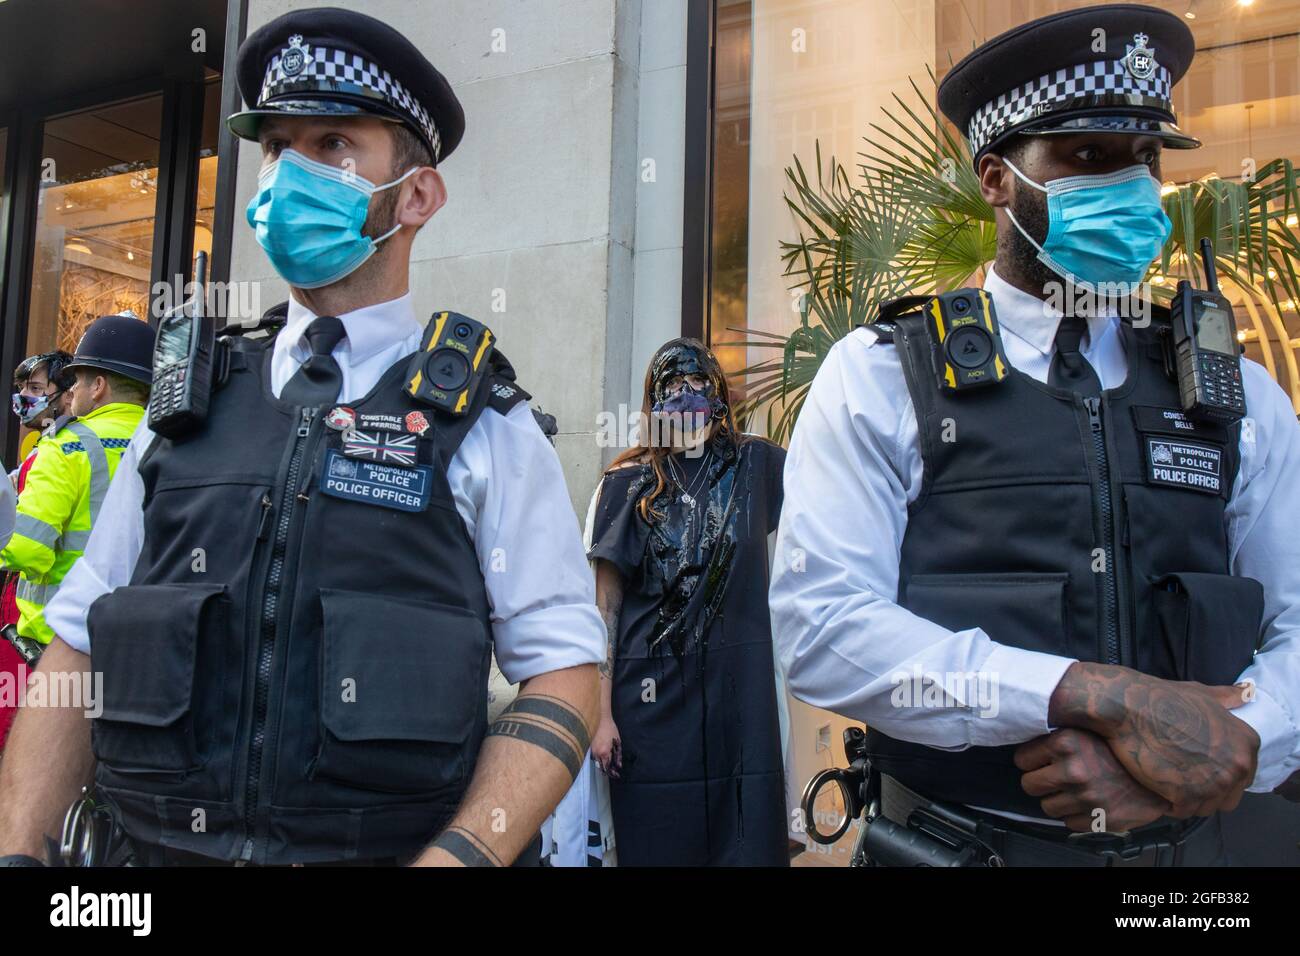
(1066, 532)
(294, 606)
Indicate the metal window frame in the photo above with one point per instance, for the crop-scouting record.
(9, 122)
(697, 219)
(179, 138)
(223, 216)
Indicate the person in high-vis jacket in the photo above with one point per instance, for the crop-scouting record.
(42, 394)
(294, 603)
(66, 484)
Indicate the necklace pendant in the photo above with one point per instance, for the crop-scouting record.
(688, 499)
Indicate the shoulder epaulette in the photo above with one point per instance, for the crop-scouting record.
(885, 322)
(272, 320)
(56, 426)
(504, 392)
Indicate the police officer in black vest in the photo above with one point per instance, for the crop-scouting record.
(1067, 610)
(294, 606)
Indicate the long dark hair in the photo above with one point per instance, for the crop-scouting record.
(725, 433)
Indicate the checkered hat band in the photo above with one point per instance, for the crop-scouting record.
(1104, 82)
(335, 71)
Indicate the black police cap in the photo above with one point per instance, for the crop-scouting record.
(1109, 68)
(330, 62)
(117, 343)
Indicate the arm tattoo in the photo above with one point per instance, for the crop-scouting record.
(549, 723)
(466, 847)
(610, 615)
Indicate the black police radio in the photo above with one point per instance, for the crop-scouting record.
(453, 358)
(1207, 358)
(183, 357)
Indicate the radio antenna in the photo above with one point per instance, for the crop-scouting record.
(1207, 260)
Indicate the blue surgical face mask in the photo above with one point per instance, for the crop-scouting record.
(1101, 229)
(308, 218)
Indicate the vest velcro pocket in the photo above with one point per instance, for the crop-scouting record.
(1020, 609)
(403, 689)
(144, 640)
(1210, 625)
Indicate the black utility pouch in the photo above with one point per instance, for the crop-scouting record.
(403, 689)
(1210, 626)
(144, 641)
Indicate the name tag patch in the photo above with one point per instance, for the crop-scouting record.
(1174, 421)
(1180, 464)
(389, 486)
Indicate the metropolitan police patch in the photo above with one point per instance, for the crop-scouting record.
(1183, 464)
(370, 483)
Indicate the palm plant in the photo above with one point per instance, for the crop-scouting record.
(912, 220)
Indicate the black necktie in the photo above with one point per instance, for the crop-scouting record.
(318, 379)
(1069, 368)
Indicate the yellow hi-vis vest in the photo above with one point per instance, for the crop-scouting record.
(59, 504)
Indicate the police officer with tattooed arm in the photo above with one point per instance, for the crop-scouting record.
(294, 601)
(1066, 604)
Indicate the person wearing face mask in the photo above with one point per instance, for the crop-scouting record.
(1086, 652)
(44, 394)
(689, 734)
(294, 605)
(43, 383)
(73, 464)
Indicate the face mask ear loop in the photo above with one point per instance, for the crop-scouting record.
(402, 178)
(387, 234)
(399, 179)
(1042, 254)
(1029, 182)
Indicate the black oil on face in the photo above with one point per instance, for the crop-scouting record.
(672, 362)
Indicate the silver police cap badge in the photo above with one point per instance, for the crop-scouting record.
(1140, 60)
(294, 58)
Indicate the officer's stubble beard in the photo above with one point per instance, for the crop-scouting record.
(378, 279)
(1017, 260)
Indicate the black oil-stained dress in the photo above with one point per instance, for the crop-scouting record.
(694, 694)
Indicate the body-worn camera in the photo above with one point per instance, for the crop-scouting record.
(183, 358)
(453, 358)
(1206, 355)
(965, 327)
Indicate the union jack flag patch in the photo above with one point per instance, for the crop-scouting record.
(384, 447)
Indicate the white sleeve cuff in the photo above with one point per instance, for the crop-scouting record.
(549, 639)
(66, 613)
(1023, 682)
(1278, 737)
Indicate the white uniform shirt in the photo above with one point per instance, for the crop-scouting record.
(853, 468)
(505, 477)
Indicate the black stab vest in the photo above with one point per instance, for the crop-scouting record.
(1093, 533)
(291, 676)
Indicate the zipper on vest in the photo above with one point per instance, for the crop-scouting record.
(1104, 506)
(269, 618)
(264, 524)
